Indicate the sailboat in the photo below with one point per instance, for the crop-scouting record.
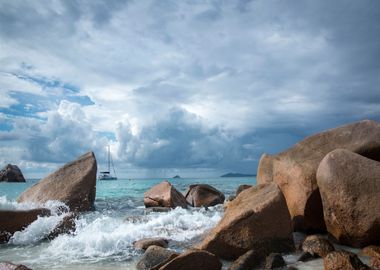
(106, 175)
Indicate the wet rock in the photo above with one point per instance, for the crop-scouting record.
(74, 184)
(374, 253)
(164, 195)
(155, 257)
(274, 261)
(158, 209)
(246, 261)
(294, 170)
(316, 245)
(11, 266)
(147, 242)
(339, 260)
(66, 226)
(12, 221)
(241, 188)
(203, 195)
(248, 224)
(11, 173)
(194, 259)
(350, 189)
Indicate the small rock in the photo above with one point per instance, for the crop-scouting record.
(66, 226)
(203, 195)
(246, 261)
(241, 188)
(147, 242)
(11, 173)
(273, 261)
(158, 209)
(154, 257)
(316, 245)
(11, 266)
(164, 195)
(231, 198)
(194, 259)
(339, 260)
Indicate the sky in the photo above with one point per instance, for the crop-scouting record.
(196, 88)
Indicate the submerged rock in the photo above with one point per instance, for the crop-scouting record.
(74, 184)
(194, 259)
(11, 173)
(12, 221)
(164, 195)
(203, 195)
(294, 170)
(318, 246)
(154, 257)
(350, 189)
(339, 260)
(11, 266)
(257, 219)
(147, 242)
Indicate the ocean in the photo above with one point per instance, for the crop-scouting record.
(103, 238)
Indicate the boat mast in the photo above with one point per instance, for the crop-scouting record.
(109, 168)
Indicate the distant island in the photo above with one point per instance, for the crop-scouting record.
(177, 176)
(237, 175)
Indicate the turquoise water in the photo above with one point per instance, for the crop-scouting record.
(104, 238)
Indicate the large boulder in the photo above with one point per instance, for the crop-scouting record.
(154, 257)
(74, 184)
(257, 219)
(11, 173)
(12, 221)
(164, 195)
(350, 189)
(194, 259)
(339, 260)
(203, 195)
(294, 170)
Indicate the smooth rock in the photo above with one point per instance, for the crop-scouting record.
(246, 261)
(194, 259)
(316, 245)
(274, 261)
(350, 189)
(154, 257)
(74, 184)
(294, 170)
(203, 195)
(343, 260)
(257, 219)
(11, 266)
(164, 195)
(66, 226)
(241, 188)
(147, 242)
(11, 173)
(12, 221)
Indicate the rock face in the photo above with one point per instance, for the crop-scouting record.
(350, 189)
(241, 188)
(194, 259)
(317, 246)
(74, 184)
(294, 170)
(147, 242)
(11, 173)
(203, 195)
(338, 260)
(13, 221)
(248, 223)
(164, 195)
(154, 257)
(11, 266)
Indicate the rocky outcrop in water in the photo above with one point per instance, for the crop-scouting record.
(164, 195)
(339, 260)
(12, 221)
(350, 189)
(11, 173)
(193, 259)
(155, 257)
(246, 261)
(147, 242)
(203, 195)
(249, 223)
(294, 170)
(11, 266)
(317, 246)
(74, 184)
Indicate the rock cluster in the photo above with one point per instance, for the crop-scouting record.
(11, 173)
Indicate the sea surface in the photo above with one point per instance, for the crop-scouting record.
(103, 238)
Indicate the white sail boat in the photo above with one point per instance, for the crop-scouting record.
(106, 175)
